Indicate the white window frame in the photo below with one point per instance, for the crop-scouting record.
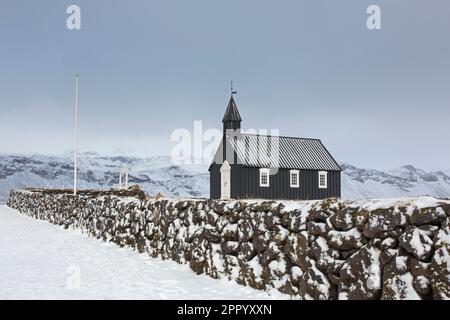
(263, 171)
(325, 175)
(291, 174)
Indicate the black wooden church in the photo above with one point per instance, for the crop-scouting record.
(270, 167)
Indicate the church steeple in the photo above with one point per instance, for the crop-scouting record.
(231, 119)
(231, 129)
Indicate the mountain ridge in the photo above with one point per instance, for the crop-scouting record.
(159, 174)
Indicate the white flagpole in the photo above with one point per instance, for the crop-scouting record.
(76, 137)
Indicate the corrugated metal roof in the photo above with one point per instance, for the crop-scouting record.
(283, 152)
(232, 112)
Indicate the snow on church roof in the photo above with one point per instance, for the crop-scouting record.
(283, 152)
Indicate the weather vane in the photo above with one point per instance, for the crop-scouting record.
(232, 91)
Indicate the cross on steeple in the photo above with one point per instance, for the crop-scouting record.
(232, 91)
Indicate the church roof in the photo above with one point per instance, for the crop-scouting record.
(232, 112)
(283, 152)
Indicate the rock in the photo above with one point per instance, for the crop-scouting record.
(417, 242)
(327, 259)
(214, 261)
(442, 238)
(239, 206)
(399, 287)
(342, 220)
(198, 217)
(316, 228)
(287, 288)
(360, 276)
(383, 222)
(314, 285)
(278, 267)
(245, 230)
(233, 216)
(272, 221)
(197, 262)
(140, 244)
(427, 216)
(212, 217)
(440, 273)
(389, 243)
(387, 255)
(360, 218)
(291, 221)
(330, 204)
(246, 251)
(279, 235)
(317, 216)
(430, 230)
(211, 235)
(446, 207)
(252, 273)
(296, 274)
(231, 267)
(230, 232)
(182, 205)
(398, 282)
(264, 206)
(297, 248)
(269, 254)
(422, 285)
(260, 244)
(345, 240)
(191, 234)
(396, 232)
(219, 207)
(230, 247)
(345, 254)
(420, 269)
(399, 265)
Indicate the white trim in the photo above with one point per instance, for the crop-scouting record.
(225, 181)
(262, 172)
(225, 166)
(292, 173)
(325, 175)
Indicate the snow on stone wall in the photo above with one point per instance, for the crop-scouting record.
(330, 249)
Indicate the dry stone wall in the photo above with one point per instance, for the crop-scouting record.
(329, 249)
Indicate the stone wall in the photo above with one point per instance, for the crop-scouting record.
(330, 249)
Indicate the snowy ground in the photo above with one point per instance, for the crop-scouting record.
(39, 260)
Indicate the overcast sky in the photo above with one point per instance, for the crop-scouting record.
(377, 99)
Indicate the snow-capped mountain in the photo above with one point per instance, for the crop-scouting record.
(156, 174)
(160, 174)
(403, 181)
